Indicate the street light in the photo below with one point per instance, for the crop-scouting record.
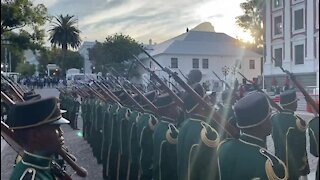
(225, 72)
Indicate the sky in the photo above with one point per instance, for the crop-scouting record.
(142, 20)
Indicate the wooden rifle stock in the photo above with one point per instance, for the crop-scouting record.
(228, 86)
(216, 117)
(273, 104)
(129, 95)
(136, 90)
(308, 98)
(166, 88)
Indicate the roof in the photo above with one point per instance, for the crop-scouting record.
(202, 40)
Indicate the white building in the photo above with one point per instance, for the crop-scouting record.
(83, 50)
(292, 39)
(204, 49)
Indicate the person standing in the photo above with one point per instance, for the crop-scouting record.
(36, 125)
(313, 129)
(289, 136)
(247, 157)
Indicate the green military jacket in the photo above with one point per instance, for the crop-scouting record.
(247, 158)
(33, 167)
(227, 112)
(145, 127)
(123, 152)
(314, 140)
(196, 149)
(165, 138)
(289, 137)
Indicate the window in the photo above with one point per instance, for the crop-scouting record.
(278, 57)
(317, 14)
(277, 26)
(195, 63)
(277, 4)
(251, 64)
(205, 63)
(174, 62)
(298, 19)
(299, 54)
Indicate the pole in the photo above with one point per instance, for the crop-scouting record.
(10, 61)
(5, 60)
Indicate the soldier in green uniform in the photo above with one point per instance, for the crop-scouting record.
(313, 128)
(226, 109)
(36, 123)
(197, 142)
(165, 140)
(247, 157)
(289, 136)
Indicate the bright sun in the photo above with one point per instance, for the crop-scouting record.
(222, 20)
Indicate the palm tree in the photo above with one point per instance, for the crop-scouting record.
(65, 33)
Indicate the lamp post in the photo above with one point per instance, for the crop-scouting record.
(225, 72)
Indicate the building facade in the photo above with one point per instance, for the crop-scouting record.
(83, 50)
(204, 49)
(292, 41)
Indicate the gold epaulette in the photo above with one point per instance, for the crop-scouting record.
(172, 130)
(18, 159)
(28, 174)
(127, 115)
(153, 121)
(275, 168)
(301, 124)
(207, 130)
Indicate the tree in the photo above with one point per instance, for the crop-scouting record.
(115, 52)
(65, 60)
(26, 69)
(65, 33)
(251, 20)
(21, 23)
(17, 56)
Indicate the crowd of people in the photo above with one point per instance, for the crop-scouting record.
(42, 82)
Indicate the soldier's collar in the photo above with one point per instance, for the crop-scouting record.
(252, 140)
(287, 111)
(167, 119)
(36, 161)
(197, 116)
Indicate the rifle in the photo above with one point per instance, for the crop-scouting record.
(9, 136)
(183, 75)
(273, 104)
(129, 95)
(166, 88)
(153, 84)
(136, 90)
(303, 91)
(15, 92)
(216, 117)
(223, 81)
(175, 87)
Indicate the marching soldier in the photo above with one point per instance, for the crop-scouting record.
(314, 137)
(197, 142)
(165, 139)
(36, 123)
(289, 136)
(226, 108)
(247, 157)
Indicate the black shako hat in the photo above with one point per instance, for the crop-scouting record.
(189, 102)
(194, 76)
(288, 97)
(35, 113)
(164, 100)
(252, 110)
